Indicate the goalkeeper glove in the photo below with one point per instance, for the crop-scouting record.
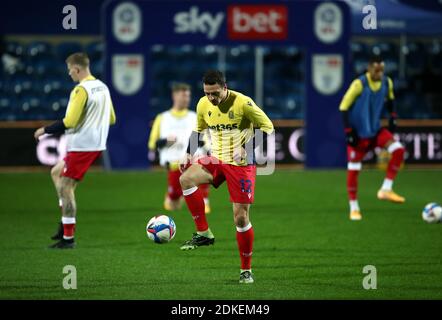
(351, 137)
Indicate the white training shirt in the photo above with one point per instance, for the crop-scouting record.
(92, 131)
(181, 128)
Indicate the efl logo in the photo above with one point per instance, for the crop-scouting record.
(257, 22)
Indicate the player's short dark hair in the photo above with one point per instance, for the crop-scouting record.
(375, 58)
(212, 77)
(79, 58)
(180, 86)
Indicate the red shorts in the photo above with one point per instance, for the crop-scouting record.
(357, 153)
(174, 191)
(77, 163)
(240, 179)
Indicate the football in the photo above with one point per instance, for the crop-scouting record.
(432, 213)
(161, 229)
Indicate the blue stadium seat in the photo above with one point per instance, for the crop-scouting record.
(15, 48)
(359, 66)
(22, 85)
(359, 50)
(5, 102)
(386, 49)
(39, 50)
(44, 68)
(55, 106)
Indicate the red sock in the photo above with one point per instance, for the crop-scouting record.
(395, 163)
(244, 237)
(352, 184)
(205, 190)
(68, 227)
(195, 202)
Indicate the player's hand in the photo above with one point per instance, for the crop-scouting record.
(392, 123)
(39, 132)
(351, 136)
(151, 155)
(186, 162)
(239, 155)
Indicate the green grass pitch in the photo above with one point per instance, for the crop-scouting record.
(305, 245)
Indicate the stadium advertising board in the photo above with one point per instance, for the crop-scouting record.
(321, 29)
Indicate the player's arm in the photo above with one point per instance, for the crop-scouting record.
(113, 117)
(74, 113)
(154, 139)
(391, 108)
(347, 102)
(259, 119)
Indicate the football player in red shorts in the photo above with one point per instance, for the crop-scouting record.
(362, 108)
(86, 124)
(230, 118)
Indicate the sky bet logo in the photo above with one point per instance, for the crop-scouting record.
(194, 21)
(244, 22)
(257, 22)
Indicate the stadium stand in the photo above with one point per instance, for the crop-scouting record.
(39, 87)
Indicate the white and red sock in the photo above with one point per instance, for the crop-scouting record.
(195, 202)
(387, 184)
(354, 205)
(68, 227)
(245, 237)
(353, 169)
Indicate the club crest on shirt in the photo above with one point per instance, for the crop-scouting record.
(209, 113)
(249, 103)
(231, 115)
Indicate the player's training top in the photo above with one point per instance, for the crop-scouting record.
(364, 101)
(172, 123)
(231, 124)
(88, 116)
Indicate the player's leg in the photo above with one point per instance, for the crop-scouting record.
(244, 237)
(75, 167)
(174, 192)
(56, 177)
(386, 140)
(205, 190)
(67, 192)
(190, 179)
(354, 166)
(241, 185)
